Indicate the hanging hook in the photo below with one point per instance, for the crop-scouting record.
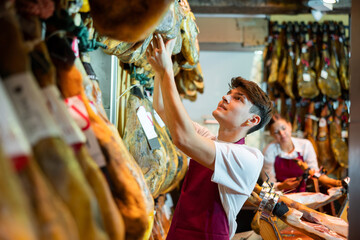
(126, 90)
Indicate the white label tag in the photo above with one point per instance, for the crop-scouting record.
(148, 127)
(71, 132)
(324, 74)
(158, 119)
(298, 61)
(313, 117)
(168, 205)
(78, 112)
(322, 122)
(169, 200)
(344, 134)
(306, 77)
(31, 108)
(146, 123)
(12, 136)
(167, 211)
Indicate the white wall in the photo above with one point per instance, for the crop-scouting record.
(218, 69)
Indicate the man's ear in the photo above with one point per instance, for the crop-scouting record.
(255, 120)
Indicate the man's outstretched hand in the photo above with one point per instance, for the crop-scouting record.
(158, 54)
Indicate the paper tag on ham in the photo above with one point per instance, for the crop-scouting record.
(167, 206)
(70, 130)
(78, 112)
(306, 77)
(158, 119)
(324, 74)
(322, 122)
(148, 127)
(30, 106)
(344, 134)
(12, 137)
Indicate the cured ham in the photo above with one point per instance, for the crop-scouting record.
(52, 218)
(314, 224)
(289, 77)
(113, 221)
(129, 22)
(17, 220)
(306, 77)
(344, 59)
(328, 80)
(316, 200)
(190, 45)
(310, 126)
(313, 230)
(51, 153)
(275, 56)
(152, 162)
(137, 51)
(126, 180)
(338, 146)
(325, 157)
(171, 155)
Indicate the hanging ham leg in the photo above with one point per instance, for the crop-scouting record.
(325, 157)
(338, 145)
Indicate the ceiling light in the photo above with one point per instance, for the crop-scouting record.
(319, 5)
(330, 1)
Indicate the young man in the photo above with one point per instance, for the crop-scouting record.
(222, 172)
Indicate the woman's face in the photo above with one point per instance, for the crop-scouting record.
(281, 131)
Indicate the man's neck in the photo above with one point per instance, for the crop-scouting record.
(230, 135)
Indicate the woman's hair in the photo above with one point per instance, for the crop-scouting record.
(262, 105)
(275, 117)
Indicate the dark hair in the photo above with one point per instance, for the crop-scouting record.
(262, 105)
(276, 117)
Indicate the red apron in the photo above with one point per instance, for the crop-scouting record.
(285, 168)
(199, 213)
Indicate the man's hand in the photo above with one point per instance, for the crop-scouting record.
(289, 183)
(158, 54)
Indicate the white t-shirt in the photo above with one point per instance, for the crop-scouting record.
(236, 171)
(302, 146)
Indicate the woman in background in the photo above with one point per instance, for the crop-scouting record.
(284, 156)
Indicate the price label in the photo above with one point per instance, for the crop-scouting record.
(148, 127)
(322, 122)
(30, 105)
(70, 130)
(344, 134)
(324, 74)
(306, 77)
(12, 136)
(77, 110)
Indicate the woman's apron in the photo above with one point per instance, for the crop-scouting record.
(287, 168)
(199, 213)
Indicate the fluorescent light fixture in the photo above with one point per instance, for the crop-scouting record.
(316, 14)
(320, 5)
(330, 1)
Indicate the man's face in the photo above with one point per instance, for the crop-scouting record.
(281, 131)
(234, 109)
